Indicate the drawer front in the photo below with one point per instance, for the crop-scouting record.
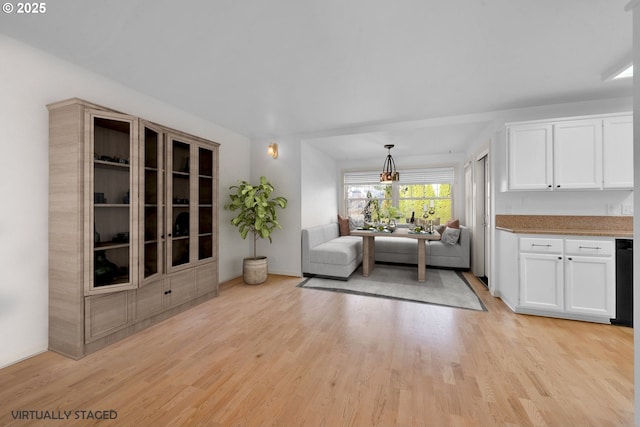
(589, 247)
(540, 245)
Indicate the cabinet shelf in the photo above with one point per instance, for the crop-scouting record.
(180, 174)
(111, 165)
(110, 245)
(179, 238)
(110, 205)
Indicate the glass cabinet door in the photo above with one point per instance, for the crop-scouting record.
(151, 217)
(206, 194)
(110, 201)
(179, 189)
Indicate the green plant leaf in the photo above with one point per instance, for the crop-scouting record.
(256, 209)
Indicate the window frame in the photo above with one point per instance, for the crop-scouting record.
(418, 176)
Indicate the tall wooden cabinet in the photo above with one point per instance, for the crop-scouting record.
(132, 224)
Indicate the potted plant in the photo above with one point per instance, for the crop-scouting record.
(256, 215)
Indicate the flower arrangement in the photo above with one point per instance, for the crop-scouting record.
(391, 213)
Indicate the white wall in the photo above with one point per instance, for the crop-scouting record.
(320, 187)
(284, 173)
(29, 80)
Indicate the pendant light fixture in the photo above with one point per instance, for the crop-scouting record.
(389, 173)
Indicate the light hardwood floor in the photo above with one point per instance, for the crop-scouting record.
(275, 354)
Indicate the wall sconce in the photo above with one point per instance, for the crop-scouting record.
(273, 150)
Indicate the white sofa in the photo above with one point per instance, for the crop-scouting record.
(325, 253)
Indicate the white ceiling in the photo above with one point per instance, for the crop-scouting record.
(272, 68)
(433, 139)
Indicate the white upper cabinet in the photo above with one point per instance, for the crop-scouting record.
(529, 150)
(583, 154)
(618, 152)
(577, 154)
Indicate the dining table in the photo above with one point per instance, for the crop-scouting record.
(368, 246)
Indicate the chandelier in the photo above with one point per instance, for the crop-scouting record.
(389, 173)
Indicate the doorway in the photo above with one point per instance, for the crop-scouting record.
(482, 216)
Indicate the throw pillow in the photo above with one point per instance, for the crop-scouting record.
(440, 229)
(343, 226)
(453, 223)
(450, 236)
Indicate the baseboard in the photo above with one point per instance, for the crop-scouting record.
(285, 273)
(506, 302)
(23, 358)
(568, 316)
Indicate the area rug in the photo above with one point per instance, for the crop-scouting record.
(442, 287)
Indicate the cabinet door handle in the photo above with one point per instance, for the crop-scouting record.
(542, 246)
(570, 259)
(558, 186)
(561, 257)
(549, 186)
(590, 247)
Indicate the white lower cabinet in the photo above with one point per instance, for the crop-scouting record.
(571, 278)
(541, 282)
(590, 277)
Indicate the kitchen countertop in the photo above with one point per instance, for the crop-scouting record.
(606, 226)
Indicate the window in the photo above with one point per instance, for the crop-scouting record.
(418, 191)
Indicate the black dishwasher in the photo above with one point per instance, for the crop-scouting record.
(624, 283)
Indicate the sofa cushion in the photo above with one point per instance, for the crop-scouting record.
(404, 245)
(439, 248)
(315, 236)
(341, 251)
(403, 250)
